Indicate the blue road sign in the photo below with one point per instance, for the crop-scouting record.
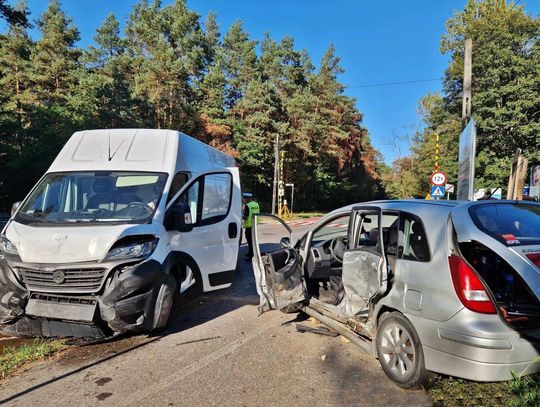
(437, 192)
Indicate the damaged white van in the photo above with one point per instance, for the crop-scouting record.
(121, 224)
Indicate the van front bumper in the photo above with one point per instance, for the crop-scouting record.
(125, 303)
(477, 347)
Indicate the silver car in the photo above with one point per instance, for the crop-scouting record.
(425, 286)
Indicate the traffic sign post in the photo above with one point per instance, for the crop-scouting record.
(437, 191)
(438, 178)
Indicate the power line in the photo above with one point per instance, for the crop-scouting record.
(373, 85)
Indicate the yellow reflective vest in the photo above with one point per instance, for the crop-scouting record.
(253, 208)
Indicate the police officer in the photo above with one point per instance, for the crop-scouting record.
(250, 208)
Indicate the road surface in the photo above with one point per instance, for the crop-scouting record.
(219, 352)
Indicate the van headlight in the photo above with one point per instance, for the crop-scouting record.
(132, 249)
(7, 247)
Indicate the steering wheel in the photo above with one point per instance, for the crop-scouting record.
(137, 205)
(338, 245)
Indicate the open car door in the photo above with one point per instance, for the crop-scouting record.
(365, 270)
(276, 264)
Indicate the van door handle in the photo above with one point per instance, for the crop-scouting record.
(233, 230)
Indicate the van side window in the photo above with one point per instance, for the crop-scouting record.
(178, 182)
(216, 197)
(415, 244)
(208, 198)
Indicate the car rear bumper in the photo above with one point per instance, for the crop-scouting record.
(476, 347)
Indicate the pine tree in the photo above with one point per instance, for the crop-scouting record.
(16, 102)
(104, 91)
(56, 57)
(239, 62)
(168, 49)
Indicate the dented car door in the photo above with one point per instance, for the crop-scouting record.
(277, 266)
(365, 270)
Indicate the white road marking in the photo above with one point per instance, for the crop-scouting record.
(160, 387)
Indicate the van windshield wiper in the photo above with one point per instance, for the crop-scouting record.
(35, 217)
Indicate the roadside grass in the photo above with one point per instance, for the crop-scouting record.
(17, 356)
(450, 392)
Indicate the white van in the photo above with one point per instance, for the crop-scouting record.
(121, 224)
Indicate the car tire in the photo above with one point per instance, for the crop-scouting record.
(167, 302)
(400, 352)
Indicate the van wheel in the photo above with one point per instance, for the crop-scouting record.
(166, 303)
(400, 352)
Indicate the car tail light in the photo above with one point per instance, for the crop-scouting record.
(535, 258)
(469, 288)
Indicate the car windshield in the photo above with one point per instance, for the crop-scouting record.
(93, 197)
(510, 223)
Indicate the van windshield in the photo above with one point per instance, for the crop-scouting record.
(93, 197)
(513, 224)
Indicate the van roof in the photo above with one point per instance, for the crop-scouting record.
(153, 150)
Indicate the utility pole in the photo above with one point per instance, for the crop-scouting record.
(467, 83)
(276, 175)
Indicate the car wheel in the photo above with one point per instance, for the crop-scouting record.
(166, 303)
(400, 352)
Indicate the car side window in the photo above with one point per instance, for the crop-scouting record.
(216, 197)
(208, 198)
(335, 228)
(415, 244)
(178, 182)
(190, 197)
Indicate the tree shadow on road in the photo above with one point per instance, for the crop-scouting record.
(194, 310)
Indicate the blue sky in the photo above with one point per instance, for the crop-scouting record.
(378, 42)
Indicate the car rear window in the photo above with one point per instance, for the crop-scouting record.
(513, 224)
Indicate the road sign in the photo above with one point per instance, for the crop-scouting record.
(438, 178)
(449, 188)
(437, 191)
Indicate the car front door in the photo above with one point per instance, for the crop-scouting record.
(214, 201)
(277, 265)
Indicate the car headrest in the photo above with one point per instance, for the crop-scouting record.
(103, 185)
(374, 235)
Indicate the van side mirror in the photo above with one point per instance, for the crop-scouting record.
(14, 207)
(285, 242)
(178, 218)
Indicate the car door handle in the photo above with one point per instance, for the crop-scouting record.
(233, 230)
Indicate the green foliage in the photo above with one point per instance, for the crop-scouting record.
(172, 71)
(505, 97)
(521, 391)
(13, 357)
(525, 391)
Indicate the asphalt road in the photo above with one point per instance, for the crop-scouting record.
(220, 352)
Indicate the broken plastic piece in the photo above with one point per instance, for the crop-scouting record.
(319, 331)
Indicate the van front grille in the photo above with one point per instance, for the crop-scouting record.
(79, 280)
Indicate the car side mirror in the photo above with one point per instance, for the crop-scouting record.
(285, 242)
(14, 207)
(179, 218)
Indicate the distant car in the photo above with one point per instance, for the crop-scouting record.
(443, 286)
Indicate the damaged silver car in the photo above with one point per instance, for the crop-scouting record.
(425, 286)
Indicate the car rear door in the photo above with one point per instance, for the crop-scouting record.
(365, 269)
(277, 265)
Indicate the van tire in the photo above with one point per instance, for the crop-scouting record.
(405, 367)
(167, 302)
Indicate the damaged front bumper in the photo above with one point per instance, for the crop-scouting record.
(35, 302)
